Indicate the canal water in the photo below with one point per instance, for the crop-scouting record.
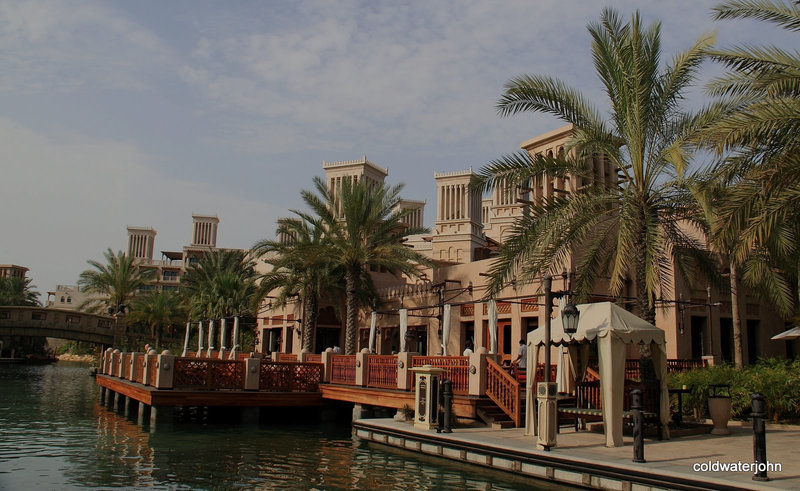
(54, 434)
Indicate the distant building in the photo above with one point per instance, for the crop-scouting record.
(66, 297)
(13, 271)
(172, 265)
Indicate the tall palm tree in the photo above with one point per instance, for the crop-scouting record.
(300, 266)
(632, 229)
(114, 283)
(756, 122)
(365, 229)
(221, 284)
(158, 310)
(16, 291)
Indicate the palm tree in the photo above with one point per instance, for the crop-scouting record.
(757, 117)
(113, 283)
(221, 284)
(300, 266)
(17, 291)
(632, 229)
(364, 229)
(158, 310)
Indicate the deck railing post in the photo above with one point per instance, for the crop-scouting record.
(252, 375)
(477, 373)
(362, 365)
(135, 358)
(405, 377)
(107, 364)
(327, 355)
(166, 370)
(148, 365)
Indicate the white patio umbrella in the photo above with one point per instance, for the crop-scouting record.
(403, 330)
(445, 328)
(491, 310)
(372, 325)
(792, 333)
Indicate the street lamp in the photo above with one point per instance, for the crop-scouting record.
(546, 391)
(569, 319)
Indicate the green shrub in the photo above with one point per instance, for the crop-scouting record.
(777, 379)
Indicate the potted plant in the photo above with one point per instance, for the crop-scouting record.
(719, 407)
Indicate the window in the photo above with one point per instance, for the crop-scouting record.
(38, 316)
(69, 299)
(62, 299)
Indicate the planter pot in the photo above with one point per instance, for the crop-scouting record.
(719, 408)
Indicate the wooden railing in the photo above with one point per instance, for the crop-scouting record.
(343, 369)
(540, 373)
(138, 370)
(504, 391)
(314, 358)
(289, 376)
(207, 373)
(382, 371)
(126, 366)
(456, 369)
(588, 395)
(287, 357)
(684, 365)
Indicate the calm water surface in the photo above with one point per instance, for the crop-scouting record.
(55, 435)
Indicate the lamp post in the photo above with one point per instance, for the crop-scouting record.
(546, 391)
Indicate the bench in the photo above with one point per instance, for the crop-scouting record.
(589, 408)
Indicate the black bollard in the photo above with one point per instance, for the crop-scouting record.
(447, 399)
(759, 414)
(638, 423)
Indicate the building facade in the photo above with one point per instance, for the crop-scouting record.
(467, 230)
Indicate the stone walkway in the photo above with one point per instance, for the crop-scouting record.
(673, 459)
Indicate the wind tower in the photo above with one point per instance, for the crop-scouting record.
(458, 234)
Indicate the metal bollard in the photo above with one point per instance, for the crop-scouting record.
(638, 423)
(447, 398)
(759, 414)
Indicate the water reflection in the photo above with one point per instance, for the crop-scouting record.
(56, 436)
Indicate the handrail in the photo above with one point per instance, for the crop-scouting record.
(382, 371)
(456, 369)
(343, 369)
(208, 373)
(504, 391)
(289, 376)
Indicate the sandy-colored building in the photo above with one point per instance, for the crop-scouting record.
(467, 230)
(13, 271)
(172, 265)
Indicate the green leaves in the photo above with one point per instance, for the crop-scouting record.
(113, 283)
(614, 226)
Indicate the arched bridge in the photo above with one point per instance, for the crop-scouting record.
(57, 323)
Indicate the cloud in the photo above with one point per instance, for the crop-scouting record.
(65, 45)
(68, 197)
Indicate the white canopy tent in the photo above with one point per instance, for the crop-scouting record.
(612, 327)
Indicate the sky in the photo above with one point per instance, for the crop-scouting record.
(141, 113)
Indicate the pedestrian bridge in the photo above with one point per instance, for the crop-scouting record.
(57, 323)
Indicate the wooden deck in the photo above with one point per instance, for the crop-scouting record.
(463, 406)
(212, 398)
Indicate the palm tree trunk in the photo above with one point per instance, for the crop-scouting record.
(647, 309)
(738, 358)
(351, 285)
(309, 320)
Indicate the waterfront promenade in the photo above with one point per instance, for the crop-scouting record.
(582, 459)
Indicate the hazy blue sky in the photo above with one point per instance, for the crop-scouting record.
(143, 112)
